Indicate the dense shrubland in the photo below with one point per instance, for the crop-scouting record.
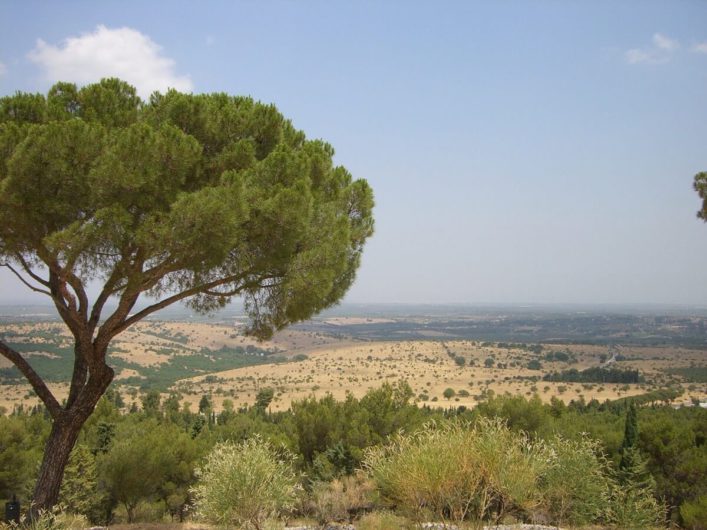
(509, 459)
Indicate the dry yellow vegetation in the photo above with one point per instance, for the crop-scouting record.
(337, 366)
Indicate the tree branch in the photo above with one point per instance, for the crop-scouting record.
(114, 322)
(176, 298)
(67, 312)
(77, 286)
(106, 292)
(29, 271)
(34, 379)
(22, 279)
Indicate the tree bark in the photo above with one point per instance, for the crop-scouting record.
(64, 433)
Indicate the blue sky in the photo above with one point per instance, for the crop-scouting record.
(520, 152)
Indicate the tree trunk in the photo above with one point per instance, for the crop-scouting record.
(65, 430)
(56, 455)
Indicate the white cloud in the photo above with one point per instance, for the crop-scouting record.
(636, 56)
(123, 52)
(665, 43)
(661, 51)
(700, 48)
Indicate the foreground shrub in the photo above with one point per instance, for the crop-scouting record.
(633, 501)
(455, 470)
(428, 471)
(511, 467)
(245, 484)
(490, 472)
(383, 521)
(55, 519)
(635, 508)
(342, 498)
(576, 485)
(694, 513)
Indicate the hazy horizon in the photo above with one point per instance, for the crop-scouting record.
(520, 153)
(398, 310)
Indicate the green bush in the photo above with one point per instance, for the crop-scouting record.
(454, 470)
(635, 508)
(576, 486)
(488, 471)
(694, 513)
(245, 484)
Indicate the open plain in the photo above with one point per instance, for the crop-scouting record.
(340, 354)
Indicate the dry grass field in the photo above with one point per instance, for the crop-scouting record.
(429, 369)
(336, 365)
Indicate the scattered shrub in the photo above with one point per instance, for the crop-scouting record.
(245, 484)
(534, 365)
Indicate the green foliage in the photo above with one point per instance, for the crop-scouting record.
(693, 374)
(320, 425)
(453, 470)
(673, 443)
(245, 484)
(520, 414)
(205, 404)
(448, 393)
(632, 508)
(264, 397)
(576, 486)
(633, 500)
(700, 185)
(534, 364)
(664, 395)
(163, 375)
(21, 441)
(151, 461)
(573, 483)
(630, 437)
(151, 403)
(694, 513)
(560, 356)
(595, 375)
(80, 493)
(195, 182)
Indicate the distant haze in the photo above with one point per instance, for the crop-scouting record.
(520, 152)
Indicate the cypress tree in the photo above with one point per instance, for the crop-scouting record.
(630, 436)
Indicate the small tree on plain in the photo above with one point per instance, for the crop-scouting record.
(264, 397)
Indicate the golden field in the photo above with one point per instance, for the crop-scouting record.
(338, 365)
